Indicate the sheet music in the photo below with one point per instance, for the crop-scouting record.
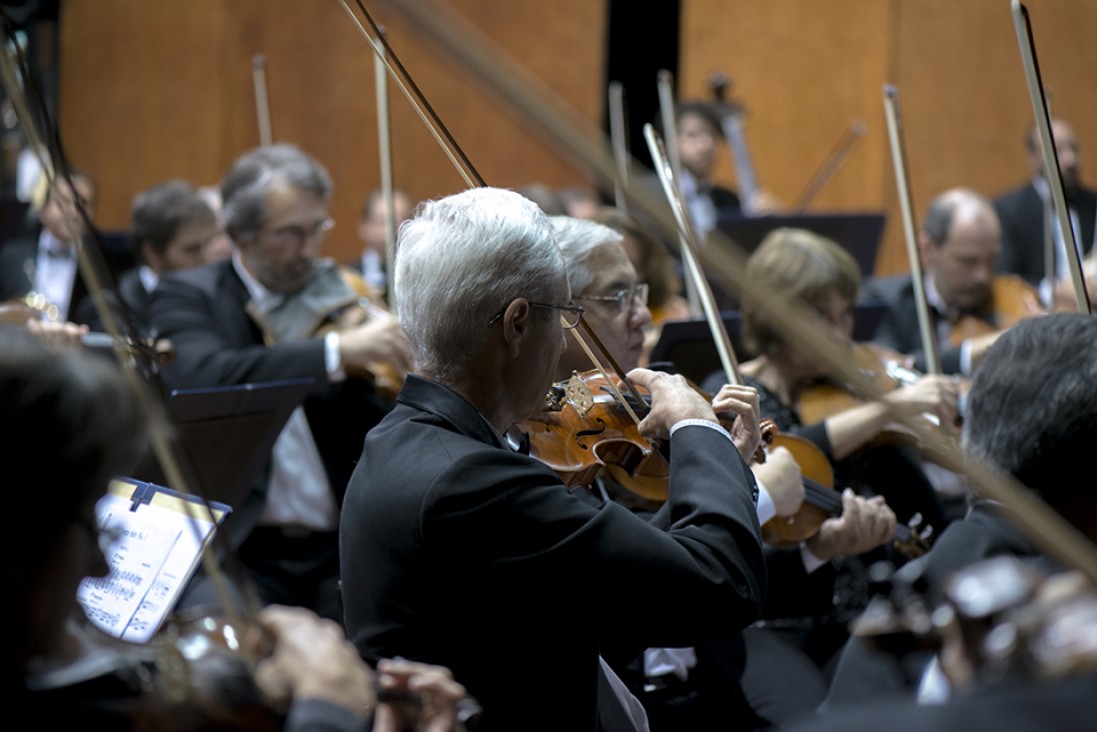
(156, 551)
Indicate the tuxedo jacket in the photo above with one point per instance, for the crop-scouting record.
(19, 262)
(131, 291)
(202, 312)
(459, 551)
(1021, 212)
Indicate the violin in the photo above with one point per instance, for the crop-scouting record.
(152, 351)
(585, 428)
(1012, 299)
(194, 674)
(886, 368)
(821, 500)
(334, 299)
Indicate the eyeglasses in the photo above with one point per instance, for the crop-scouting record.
(291, 235)
(569, 314)
(626, 299)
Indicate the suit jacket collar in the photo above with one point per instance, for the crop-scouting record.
(441, 401)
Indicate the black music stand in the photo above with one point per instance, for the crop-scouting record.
(688, 344)
(857, 232)
(227, 433)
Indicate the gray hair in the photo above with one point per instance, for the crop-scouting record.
(460, 260)
(578, 240)
(244, 188)
(1032, 407)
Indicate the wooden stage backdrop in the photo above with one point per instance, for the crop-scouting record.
(151, 91)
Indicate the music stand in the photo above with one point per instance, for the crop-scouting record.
(689, 346)
(857, 232)
(227, 433)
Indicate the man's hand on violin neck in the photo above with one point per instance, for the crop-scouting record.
(672, 400)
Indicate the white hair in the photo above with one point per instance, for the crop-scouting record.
(462, 259)
(578, 240)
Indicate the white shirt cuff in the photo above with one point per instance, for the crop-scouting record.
(811, 562)
(332, 362)
(766, 507)
(701, 423)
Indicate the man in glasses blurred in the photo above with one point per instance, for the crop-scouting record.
(260, 316)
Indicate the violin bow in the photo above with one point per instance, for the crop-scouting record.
(826, 172)
(1052, 172)
(664, 83)
(54, 166)
(690, 251)
(616, 106)
(400, 75)
(384, 145)
(262, 103)
(539, 106)
(906, 205)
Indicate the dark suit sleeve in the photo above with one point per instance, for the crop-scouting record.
(698, 568)
(216, 344)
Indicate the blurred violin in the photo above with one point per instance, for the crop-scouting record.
(195, 674)
(821, 500)
(1012, 299)
(886, 368)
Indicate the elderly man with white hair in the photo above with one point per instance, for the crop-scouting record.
(460, 549)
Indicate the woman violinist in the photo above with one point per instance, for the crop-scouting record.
(70, 423)
(822, 274)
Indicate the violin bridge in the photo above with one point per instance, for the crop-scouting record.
(579, 395)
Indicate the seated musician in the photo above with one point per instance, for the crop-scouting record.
(69, 424)
(170, 227)
(960, 242)
(458, 549)
(825, 277)
(257, 317)
(693, 688)
(1040, 431)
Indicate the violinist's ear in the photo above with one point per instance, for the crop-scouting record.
(517, 319)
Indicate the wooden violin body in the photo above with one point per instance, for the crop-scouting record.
(586, 428)
(887, 369)
(1012, 299)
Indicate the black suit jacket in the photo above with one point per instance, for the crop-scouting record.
(458, 551)
(898, 329)
(19, 261)
(201, 311)
(137, 300)
(1021, 212)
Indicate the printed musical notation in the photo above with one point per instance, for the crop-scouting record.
(153, 553)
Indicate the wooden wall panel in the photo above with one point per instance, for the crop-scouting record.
(806, 70)
(151, 91)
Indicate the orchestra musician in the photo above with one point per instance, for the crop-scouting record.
(1023, 211)
(1039, 430)
(372, 234)
(458, 549)
(253, 318)
(960, 243)
(750, 679)
(71, 423)
(45, 262)
(171, 226)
